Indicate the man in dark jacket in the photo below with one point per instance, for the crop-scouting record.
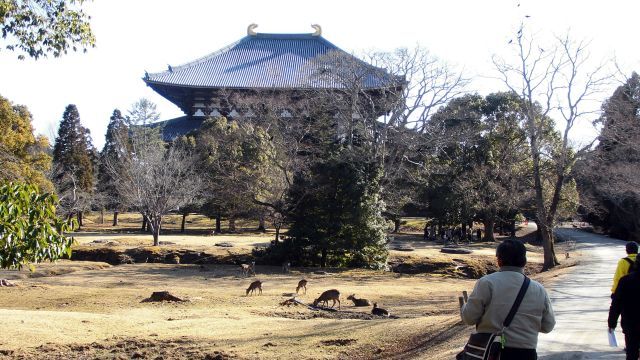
(625, 302)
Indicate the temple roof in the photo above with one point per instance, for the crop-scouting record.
(174, 128)
(271, 61)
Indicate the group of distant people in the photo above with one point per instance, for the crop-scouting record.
(448, 235)
(487, 311)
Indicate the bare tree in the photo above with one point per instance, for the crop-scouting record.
(552, 81)
(391, 120)
(381, 110)
(154, 179)
(73, 198)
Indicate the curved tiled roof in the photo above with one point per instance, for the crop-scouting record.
(266, 61)
(173, 128)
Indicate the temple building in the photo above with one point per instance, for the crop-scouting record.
(268, 66)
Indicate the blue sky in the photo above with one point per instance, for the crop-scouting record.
(134, 36)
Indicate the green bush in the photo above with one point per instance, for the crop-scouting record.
(337, 219)
(30, 232)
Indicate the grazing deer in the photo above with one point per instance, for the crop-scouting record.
(302, 284)
(358, 302)
(253, 286)
(326, 296)
(379, 311)
(286, 267)
(248, 269)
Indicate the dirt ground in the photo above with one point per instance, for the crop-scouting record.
(92, 310)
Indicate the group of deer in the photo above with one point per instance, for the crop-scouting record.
(333, 294)
(257, 286)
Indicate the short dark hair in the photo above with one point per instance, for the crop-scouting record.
(512, 253)
(632, 247)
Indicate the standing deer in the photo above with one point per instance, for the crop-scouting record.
(248, 269)
(332, 294)
(253, 286)
(302, 284)
(286, 267)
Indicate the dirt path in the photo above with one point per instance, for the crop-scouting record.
(581, 303)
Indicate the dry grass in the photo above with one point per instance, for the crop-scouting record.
(94, 310)
(93, 305)
(92, 221)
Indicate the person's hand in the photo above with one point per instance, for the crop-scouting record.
(611, 330)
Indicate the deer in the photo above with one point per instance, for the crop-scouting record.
(358, 302)
(379, 311)
(332, 294)
(253, 286)
(286, 267)
(248, 269)
(302, 284)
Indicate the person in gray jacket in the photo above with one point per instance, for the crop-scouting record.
(493, 296)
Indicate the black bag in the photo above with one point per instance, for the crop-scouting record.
(488, 346)
(633, 265)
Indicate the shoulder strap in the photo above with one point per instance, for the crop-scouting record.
(516, 304)
(631, 262)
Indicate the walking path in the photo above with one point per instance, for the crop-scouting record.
(581, 300)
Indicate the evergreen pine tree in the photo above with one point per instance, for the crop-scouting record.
(73, 159)
(610, 176)
(337, 219)
(110, 161)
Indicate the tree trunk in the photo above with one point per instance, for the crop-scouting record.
(218, 224)
(277, 234)
(396, 225)
(550, 258)
(144, 223)
(155, 225)
(79, 217)
(463, 235)
(232, 224)
(184, 219)
(538, 235)
(488, 230)
(542, 215)
(261, 225)
(512, 224)
(323, 258)
(115, 218)
(102, 216)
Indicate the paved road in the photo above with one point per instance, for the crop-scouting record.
(581, 303)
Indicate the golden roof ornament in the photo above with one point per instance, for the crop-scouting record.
(318, 31)
(251, 29)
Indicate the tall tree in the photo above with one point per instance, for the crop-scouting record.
(74, 158)
(550, 79)
(40, 27)
(479, 170)
(112, 153)
(387, 121)
(609, 176)
(233, 159)
(23, 156)
(154, 179)
(339, 222)
(143, 112)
